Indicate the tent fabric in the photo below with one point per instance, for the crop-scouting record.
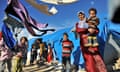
(76, 56)
(106, 28)
(8, 37)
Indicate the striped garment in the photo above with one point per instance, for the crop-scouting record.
(67, 47)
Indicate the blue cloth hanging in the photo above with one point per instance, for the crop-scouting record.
(8, 37)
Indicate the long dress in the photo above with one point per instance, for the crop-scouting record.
(93, 61)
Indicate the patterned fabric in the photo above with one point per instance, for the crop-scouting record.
(16, 9)
(93, 20)
(67, 47)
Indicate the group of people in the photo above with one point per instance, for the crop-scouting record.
(86, 29)
(13, 59)
(41, 52)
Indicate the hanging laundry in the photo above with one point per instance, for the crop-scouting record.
(12, 23)
(8, 37)
(16, 9)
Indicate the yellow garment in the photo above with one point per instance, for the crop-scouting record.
(16, 64)
(42, 48)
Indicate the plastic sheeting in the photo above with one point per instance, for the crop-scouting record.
(106, 28)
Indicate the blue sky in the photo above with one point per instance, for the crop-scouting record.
(67, 14)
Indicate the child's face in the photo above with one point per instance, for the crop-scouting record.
(91, 30)
(92, 13)
(65, 37)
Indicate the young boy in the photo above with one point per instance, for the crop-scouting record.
(67, 46)
(92, 21)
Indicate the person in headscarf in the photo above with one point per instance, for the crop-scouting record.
(92, 57)
(80, 29)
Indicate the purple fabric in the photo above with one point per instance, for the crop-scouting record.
(18, 10)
